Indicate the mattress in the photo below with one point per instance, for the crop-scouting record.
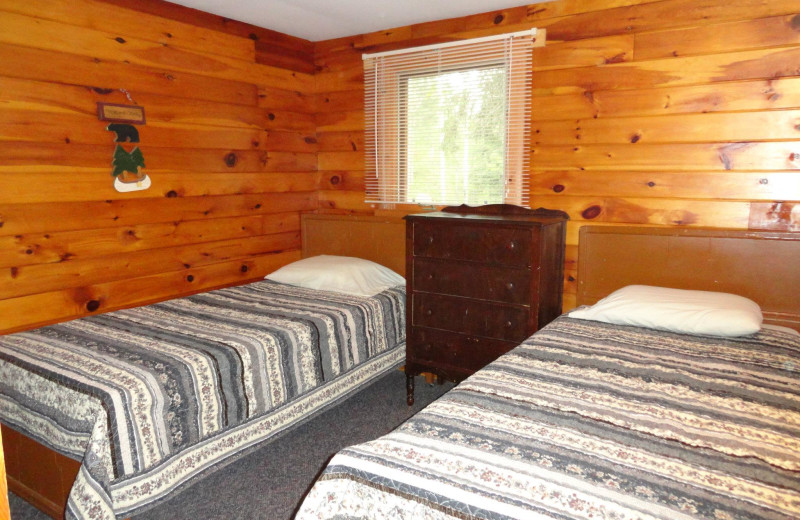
(149, 398)
(587, 420)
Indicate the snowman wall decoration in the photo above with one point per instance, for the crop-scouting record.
(127, 166)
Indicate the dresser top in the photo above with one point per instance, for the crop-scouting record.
(494, 213)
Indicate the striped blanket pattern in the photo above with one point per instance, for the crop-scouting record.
(587, 420)
(147, 398)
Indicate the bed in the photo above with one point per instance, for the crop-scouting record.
(150, 398)
(588, 419)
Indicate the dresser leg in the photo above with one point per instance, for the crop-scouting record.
(409, 389)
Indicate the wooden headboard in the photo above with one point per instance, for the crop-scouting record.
(380, 239)
(761, 265)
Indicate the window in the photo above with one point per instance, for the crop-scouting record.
(449, 124)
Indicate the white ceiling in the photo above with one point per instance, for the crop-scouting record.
(317, 20)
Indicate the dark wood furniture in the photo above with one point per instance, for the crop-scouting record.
(479, 281)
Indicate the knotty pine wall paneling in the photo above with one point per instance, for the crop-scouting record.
(671, 112)
(229, 145)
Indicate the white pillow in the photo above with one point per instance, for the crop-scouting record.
(677, 310)
(344, 274)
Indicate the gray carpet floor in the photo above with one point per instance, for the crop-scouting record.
(270, 482)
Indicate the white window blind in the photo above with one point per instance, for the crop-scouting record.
(450, 123)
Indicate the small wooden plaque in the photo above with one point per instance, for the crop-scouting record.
(132, 114)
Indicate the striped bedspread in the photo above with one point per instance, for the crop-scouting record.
(147, 398)
(592, 421)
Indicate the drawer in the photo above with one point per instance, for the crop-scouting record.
(486, 244)
(498, 284)
(462, 315)
(450, 350)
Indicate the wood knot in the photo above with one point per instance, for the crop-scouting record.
(271, 116)
(558, 188)
(103, 91)
(591, 212)
(651, 184)
(190, 278)
(682, 218)
(499, 19)
(310, 140)
(230, 160)
(258, 206)
(120, 40)
(253, 36)
(92, 305)
(617, 58)
(244, 268)
(335, 180)
(171, 194)
(635, 138)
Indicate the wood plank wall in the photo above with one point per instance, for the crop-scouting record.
(229, 145)
(672, 112)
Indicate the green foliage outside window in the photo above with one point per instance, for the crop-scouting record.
(455, 127)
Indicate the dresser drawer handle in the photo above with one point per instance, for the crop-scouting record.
(474, 340)
(509, 324)
(428, 312)
(511, 245)
(429, 276)
(510, 285)
(430, 240)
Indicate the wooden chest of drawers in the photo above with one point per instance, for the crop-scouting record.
(479, 281)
